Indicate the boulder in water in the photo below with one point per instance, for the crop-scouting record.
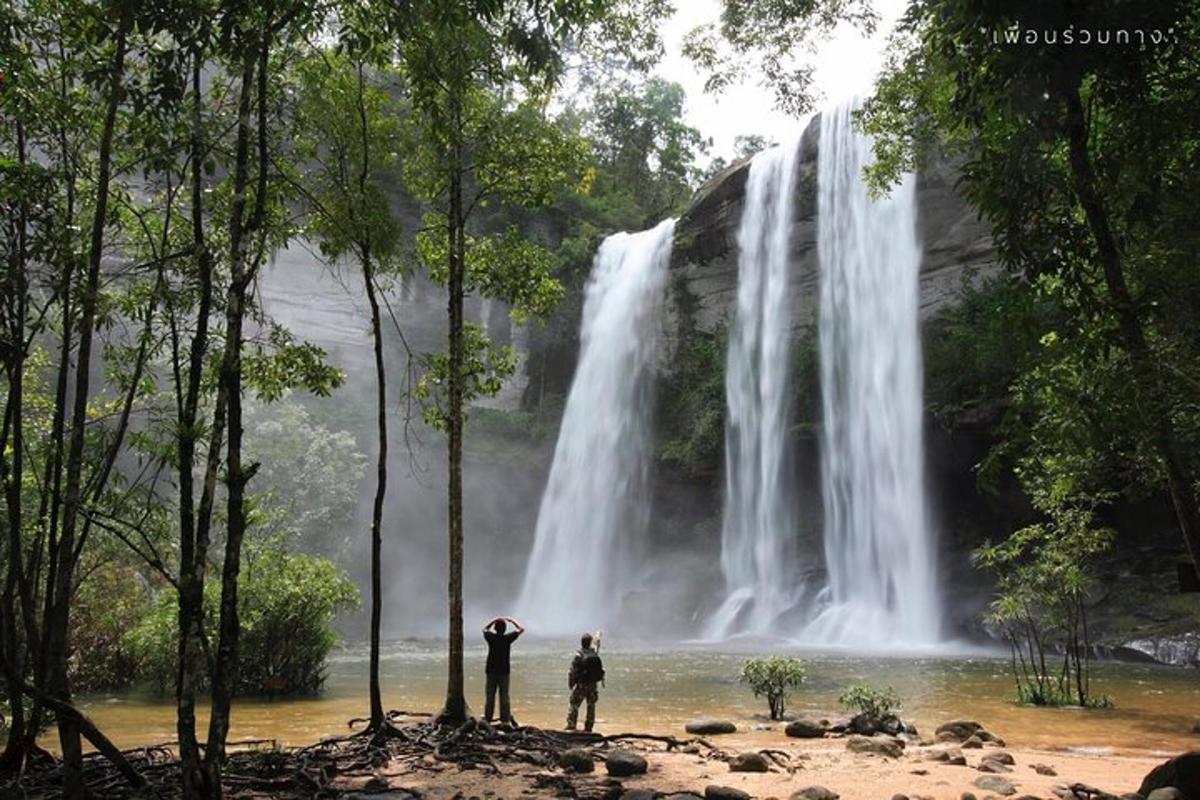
(714, 792)
(1181, 772)
(624, 763)
(749, 761)
(815, 793)
(804, 729)
(710, 727)
(577, 760)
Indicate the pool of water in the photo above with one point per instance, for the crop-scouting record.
(658, 688)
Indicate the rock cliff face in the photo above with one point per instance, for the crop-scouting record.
(704, 262)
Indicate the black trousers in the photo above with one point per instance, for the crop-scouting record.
(497, 683)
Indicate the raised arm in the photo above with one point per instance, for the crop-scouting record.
(488, 626)
(518, 626)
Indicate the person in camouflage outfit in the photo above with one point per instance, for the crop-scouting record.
(584, 679)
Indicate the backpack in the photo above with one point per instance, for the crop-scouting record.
(591, 668)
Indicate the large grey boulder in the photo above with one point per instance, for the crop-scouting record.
(958, 729)
(624, 763)
(875, 745)
(804, 729)
(1166, 793)
(997, 784)
(1181, 772)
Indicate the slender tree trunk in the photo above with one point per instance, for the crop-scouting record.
(237, 475)
(368, 267)
(1147, 379)
(193, 552)
(377, 715)
(14, 660)
(59, 620)
(455, 710)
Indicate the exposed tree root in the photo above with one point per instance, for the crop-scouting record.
(363, 761)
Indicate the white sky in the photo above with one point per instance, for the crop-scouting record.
(846, 65)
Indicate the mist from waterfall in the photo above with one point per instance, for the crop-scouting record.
(879, 548)
(594, 508)
(759, 520)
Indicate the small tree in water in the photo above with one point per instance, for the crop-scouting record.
(1043, 574)
(773, 677)
(875, 704)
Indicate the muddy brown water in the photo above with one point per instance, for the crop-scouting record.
(658, 689)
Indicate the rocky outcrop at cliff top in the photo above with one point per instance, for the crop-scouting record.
(704, 261)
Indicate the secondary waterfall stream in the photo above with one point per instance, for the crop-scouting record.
(878, 545)
(594, 509)
(758, 523)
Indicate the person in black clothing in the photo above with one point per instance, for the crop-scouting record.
(499, 640)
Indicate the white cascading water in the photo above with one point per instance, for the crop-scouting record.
(758, 523)
(594, 506)
(878, 545)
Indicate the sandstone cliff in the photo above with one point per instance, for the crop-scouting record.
(704, 262)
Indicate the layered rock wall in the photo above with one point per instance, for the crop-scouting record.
(704, 262)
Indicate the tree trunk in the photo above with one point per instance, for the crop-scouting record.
(377, 715)
(1148, 385)
(193, 552)
(14, 660)
(376, 696)
(455, 710)
(237, 475)
(59, 618)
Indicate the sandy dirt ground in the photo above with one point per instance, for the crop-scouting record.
(824, 762)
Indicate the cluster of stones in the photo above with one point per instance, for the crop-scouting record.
(1176, 779)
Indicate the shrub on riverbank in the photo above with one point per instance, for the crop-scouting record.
(287, 604)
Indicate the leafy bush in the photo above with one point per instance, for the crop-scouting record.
(875, 704)
(286, 605)
(112, 600)
(773, 678)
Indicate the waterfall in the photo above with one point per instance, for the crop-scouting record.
(878, 546)
(758, 523)
(594, 506)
